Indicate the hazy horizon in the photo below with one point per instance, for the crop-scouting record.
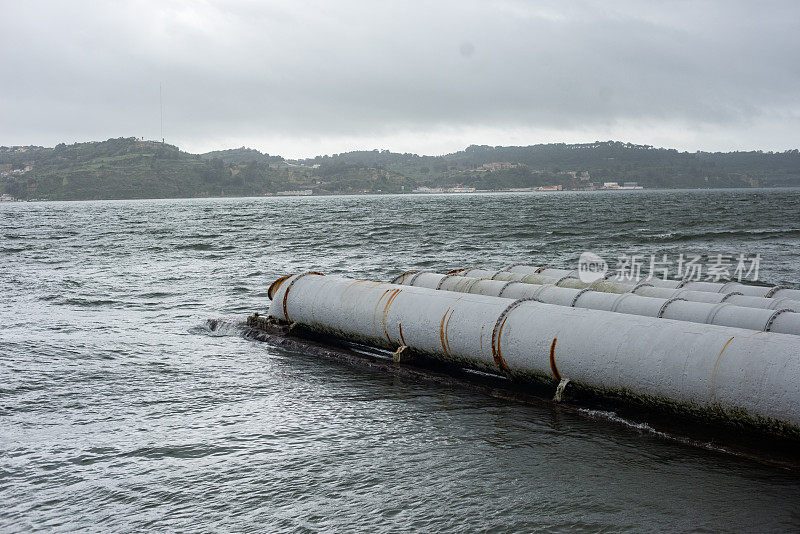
(219, 149)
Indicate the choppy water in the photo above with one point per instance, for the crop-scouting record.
(120, 410)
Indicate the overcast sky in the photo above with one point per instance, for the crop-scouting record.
(303, 78)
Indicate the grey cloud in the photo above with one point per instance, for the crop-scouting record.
(252, 70)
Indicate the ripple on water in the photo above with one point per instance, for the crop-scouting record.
(121, 410)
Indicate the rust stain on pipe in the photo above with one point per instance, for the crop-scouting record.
(394, 293)
(446, 329)
(716, 363)
(497, 354)
(273, 287)
(553, 366)
(286, 293)
(441, 332)
(378, 304)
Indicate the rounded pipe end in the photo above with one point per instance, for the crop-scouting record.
(273, 287)
(400, 278)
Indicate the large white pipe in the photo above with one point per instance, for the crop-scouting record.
(695, 285)
(645, 288)
(724, 314)
(738, 374)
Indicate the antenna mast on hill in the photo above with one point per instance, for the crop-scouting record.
(161, 108)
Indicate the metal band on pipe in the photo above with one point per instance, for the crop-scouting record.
(562, 279)
(471, 283)
(664, 306)
(286, 293)
(497, 331)
(538, 290)
(772, 291)
(772, 318)
(618, 301)
(500, 293)
(714, 311)
(399, 278)
(731, 294)
(411, 280)
(641, 284)
(496, 273)
(578, 295)
(725, 285)
(439, 285)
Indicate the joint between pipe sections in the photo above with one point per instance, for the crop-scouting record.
(411, 280)
(500, 293)
(731, 294)
(618, 301)
(781, 301)
(771, 292)
(439, 285)
(497, 332)
(608, 275)
(566, 276)
(513, 265)
(772, 318)
(397, 279)
(726, 285)
(286, 293)
(640, 284)
(714, 311)
(540, 269)
(538, 290)
(496, 273)
(683, 283)
(578, 295)
(667, 303)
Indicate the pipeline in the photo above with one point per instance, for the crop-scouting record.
(696, 285)
(722, 372)
(724, 314)
(646, 289)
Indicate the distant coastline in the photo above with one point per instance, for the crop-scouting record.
(476, 193)
(130, 168)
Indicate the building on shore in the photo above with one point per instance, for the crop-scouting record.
(298, 193)
(625, 185)
(456, 189)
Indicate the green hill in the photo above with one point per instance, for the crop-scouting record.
(241, 155)
(131, 168)
(536, 165)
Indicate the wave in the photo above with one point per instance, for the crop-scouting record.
(613, 417)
